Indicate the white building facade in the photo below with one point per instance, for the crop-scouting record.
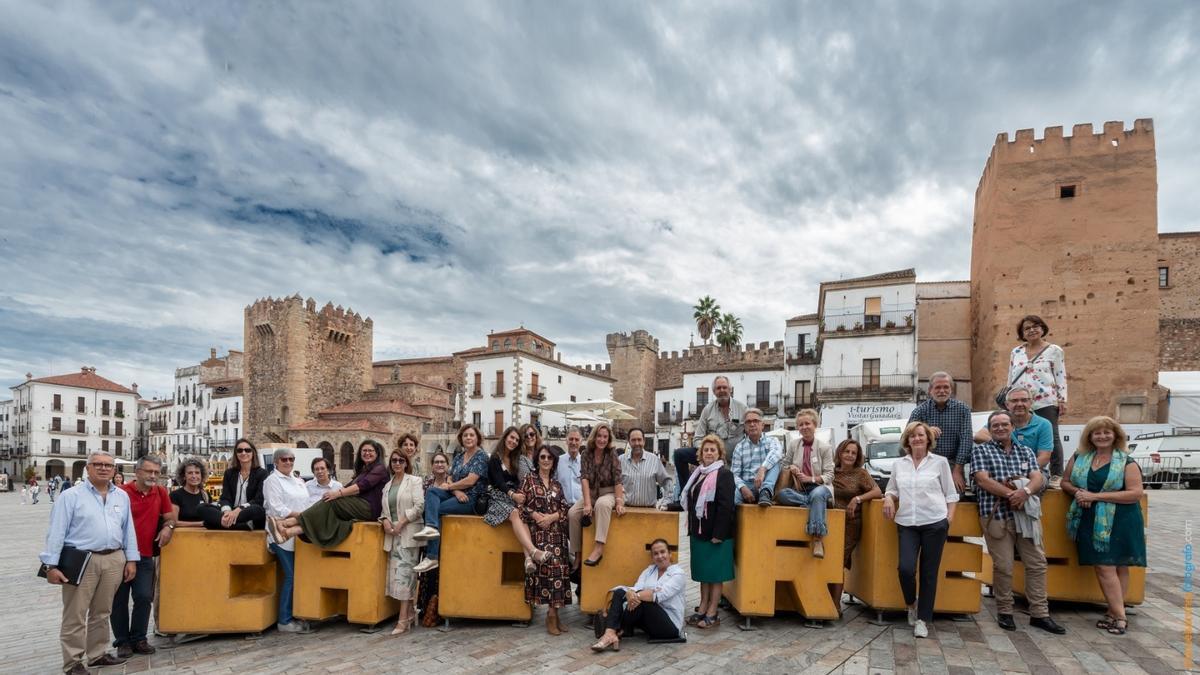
(9, 461)
(508, 380)
(678, 408)
(59, 419)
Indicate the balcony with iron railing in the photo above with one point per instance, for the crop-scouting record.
(537, 393)
(793, 405)
(440, 427)
(802, 356)
(898, 320)
(476, 393)
(498, 391)
(768, 403)
(666, 419)
(158, 427)
(899, 386)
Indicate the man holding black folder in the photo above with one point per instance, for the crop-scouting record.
(93, 518)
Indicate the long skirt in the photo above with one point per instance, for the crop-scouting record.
(327, 524)
(402, 581)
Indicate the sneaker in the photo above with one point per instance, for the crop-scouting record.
(912, 615)
(427, 533)
(1056, 482)
(426, 565)
(295, 626)
(919, 630)
(764, 498)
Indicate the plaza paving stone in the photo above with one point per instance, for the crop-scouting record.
(1155, 643)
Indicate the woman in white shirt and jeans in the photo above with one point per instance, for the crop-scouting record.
(924, 486)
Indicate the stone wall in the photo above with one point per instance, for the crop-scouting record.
(299, 361)
(632, 359)
(1180, 344)
(1085, 263)
(1179, 252)
(944, 333)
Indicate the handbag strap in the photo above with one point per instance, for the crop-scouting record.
(1027, 365)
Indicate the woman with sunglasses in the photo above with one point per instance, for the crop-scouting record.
(241, 502)
(504, 494)
(403, 510)
(544, 512)
(285, 496)
(328, 522)
(531, 442)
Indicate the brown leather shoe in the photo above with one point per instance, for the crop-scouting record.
(551, 626)
(125, 651)
(562, 627)
(107, 660)
(142, 647)
(79, 669)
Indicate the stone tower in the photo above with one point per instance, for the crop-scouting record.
(299, 361)
(1067, 228)
(633, 359)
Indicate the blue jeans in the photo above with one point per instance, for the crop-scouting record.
(287, 561)
(768, 484)
(816, 498)
(439, 502)
(128, 631)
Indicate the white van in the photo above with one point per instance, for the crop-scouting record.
(304, 458)
(880, 442)
(1163, 454)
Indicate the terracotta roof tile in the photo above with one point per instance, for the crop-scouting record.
(391, 406)
(88, 380)
(338, 425)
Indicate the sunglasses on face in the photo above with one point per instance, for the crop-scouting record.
(530, 434)
(398, 460)
(286, 459)
(244, 451)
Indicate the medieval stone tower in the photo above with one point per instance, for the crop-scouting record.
(1067, 228)
(299, 361)
(634, 358)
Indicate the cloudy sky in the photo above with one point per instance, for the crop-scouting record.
(578, 167)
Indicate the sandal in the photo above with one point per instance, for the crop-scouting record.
(545, 556)
(1118, 626)
(709, 622)
(1105, 623)
(601, 645)
(694, 619)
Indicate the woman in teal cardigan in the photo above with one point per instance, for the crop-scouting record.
(1105, 518)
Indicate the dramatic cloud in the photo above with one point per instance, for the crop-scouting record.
(580, 168)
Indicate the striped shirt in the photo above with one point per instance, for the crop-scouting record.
(642, 478)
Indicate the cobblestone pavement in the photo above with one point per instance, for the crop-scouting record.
(1155, 643)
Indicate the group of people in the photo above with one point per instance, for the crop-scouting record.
(549, 496)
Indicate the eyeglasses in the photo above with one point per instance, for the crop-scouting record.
(286, 459)
(399, 460)
(100, 465)
(244, 451)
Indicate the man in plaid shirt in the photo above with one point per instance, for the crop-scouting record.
(950, 420)
(996, 465)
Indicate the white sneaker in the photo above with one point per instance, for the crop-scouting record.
(425, 565)
(427, 533)
(919, 630)
(912, 615)
(296, 626)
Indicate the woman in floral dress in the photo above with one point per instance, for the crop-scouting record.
(545, 511)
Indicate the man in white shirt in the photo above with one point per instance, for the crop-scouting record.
(641, 472)
(569, 466)
(322, 481)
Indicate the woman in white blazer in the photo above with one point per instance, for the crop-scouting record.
(401, 518)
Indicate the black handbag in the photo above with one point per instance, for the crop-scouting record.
(482, 502)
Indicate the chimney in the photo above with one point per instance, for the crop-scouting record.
(133, 387)
(83, 369)
(28, 376)
(212, 351)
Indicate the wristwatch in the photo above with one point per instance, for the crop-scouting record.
(171, 525)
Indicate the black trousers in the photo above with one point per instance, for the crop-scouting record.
(1056, 456)
(649, 616)
(926, 542)
(252, 517)
(682, 458)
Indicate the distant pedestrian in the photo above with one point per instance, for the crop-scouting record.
(95, 518)
(24, 495)
(34, 490)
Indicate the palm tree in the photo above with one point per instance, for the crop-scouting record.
(729, 331)
(707, 313)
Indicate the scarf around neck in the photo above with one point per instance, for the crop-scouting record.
(708, 489)
(1115, 481)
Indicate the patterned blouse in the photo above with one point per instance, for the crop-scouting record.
(600, 475)
(1046, 377)
(849, 484)
(478, 466)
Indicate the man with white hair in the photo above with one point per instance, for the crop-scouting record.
(950, 420)
(723, 416)
(94, 518)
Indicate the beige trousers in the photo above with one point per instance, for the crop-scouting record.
(86, 609)
(1002, 541)
(602, 508)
